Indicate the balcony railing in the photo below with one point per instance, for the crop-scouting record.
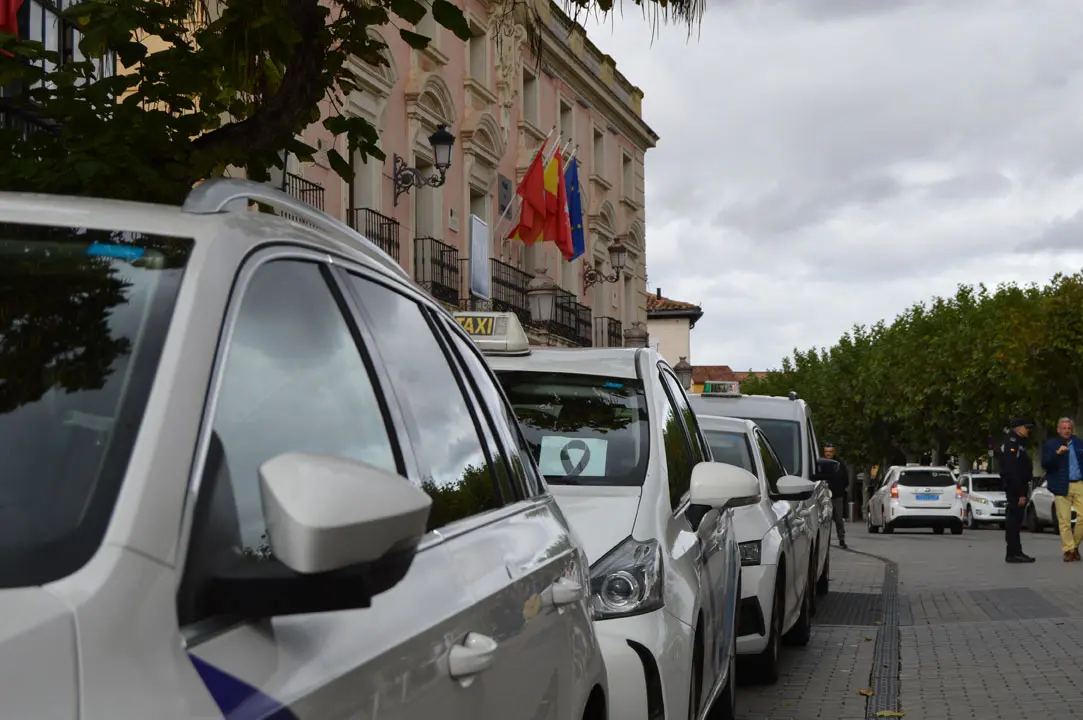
(509, 290)
(607, 332)
(379, 228)
(583, 325)
(436, 268)
(304, 190)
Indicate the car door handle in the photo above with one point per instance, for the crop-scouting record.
(473, 655)
(562, 592)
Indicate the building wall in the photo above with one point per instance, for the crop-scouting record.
(674, 338)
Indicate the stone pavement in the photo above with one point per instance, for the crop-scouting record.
(974, 637)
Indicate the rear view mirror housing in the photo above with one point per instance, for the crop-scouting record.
(792, 487)
(339, 531)
(721, 485)
(825, 469)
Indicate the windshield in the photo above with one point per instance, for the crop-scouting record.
(926, 478)
(582, 429)
(730, 448)
(985, 483)
(83, 315)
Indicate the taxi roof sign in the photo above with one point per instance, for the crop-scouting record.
(495, 333)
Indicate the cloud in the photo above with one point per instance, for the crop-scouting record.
(830, 162)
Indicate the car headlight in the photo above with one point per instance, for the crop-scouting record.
(979, 500)
(750, 552)
(627, 581)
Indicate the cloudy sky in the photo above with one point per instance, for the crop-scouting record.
(824, 163)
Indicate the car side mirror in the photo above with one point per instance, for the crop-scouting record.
(721, 485)
(339, 532)
(825, 469)
(792, 487)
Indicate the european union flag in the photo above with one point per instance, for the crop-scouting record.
(575, 208)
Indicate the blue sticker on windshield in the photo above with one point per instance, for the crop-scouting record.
(614, 385)
(124, 252)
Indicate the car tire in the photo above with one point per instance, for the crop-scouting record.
(801, 632)
(765, 666)
(938, 529)
(888, 528)
(971, 523)
(1030, 520)
(957, 528)
(823, 582)
(868, 524)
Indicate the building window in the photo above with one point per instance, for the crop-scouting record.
(479, 56)
(530, 97)
(567, 121)
(429, 28)
(627, 175)
(599, 152)
(479, 205)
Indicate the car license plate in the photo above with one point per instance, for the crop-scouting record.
(928, 497)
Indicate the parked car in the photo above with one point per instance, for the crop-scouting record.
(915, 496)
(1041, 510)
(778, 577)
(622, 452)
(787, 422)
(983, 499)
(226, 493)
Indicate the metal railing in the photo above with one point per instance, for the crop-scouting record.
(304, 190)
(607, 332)
(379, 228)
(436, 268)
(583, 325)
(509, 290)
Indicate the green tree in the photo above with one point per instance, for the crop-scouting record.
(232, 88)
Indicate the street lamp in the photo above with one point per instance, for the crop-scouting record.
(405, 177)
(541, 293)
(618, 255)
(683, 370)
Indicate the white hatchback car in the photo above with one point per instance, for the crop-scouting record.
(777, 564)
(983, 499)
(913, 496)
(1041, 510)
(622, 452)
(230, 491)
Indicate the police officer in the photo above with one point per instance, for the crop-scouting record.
(1016, 473)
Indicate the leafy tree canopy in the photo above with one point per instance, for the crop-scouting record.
(232, 87)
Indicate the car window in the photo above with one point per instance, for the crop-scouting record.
(926, 478)
(731, 447)
(582, 429)
(463, 474)
(773, 469)
(83, 318)
(985, 483)
(679, 454)
(294, 380)
(507, 425)
(785, 437)
(700, 449)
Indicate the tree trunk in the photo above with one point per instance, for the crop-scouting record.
(964, 464)
(935, 457)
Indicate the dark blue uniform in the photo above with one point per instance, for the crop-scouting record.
(1016, 473)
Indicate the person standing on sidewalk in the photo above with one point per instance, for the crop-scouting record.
(1016, 472)
(840, 487)
(1062, 459)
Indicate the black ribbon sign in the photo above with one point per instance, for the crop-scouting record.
(577, 469)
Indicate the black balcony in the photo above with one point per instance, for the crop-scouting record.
(380, 229)
(509, 290)
(436, 268)
(305, 190)
(607, 332)
(583, 325)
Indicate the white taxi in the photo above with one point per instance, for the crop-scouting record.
(622, 452)
(915, 496)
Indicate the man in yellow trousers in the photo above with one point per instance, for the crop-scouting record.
(1062, 458)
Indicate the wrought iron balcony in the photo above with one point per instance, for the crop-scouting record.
(436, 268)
(607, 332)
(583, 325)
(509, 290)
(305, 190)
(379, 228)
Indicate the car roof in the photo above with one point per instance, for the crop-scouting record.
(722, 422)
(243, 229)
(608, 362)
(909, 468)
(767, 407)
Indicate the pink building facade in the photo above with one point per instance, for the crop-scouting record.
(500, 103)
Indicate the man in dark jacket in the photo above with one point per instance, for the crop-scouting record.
(1016, 473)
(1062, 458)
(839, 483)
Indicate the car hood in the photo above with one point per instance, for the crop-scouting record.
(38, 655)
(991, 495)
(602, 517)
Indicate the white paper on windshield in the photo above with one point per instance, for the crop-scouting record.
(572, 457)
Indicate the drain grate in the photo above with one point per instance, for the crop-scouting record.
(884, 678)
(848, 608)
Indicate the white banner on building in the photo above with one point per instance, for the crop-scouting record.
(479, 259)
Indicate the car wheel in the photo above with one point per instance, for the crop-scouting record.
(868, 523)
(888, 528)
(957, 528)
(971, 523)
(1031, 520)
(824, 580)
(766, 663)
(938, 529)
(800, 634)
